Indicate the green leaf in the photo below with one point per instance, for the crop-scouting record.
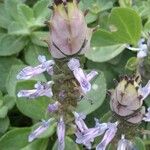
(126, 25)
(147, 26)
(33, 108)
(9, 101)
(103, 38)
(139, 144)
(69, 144)
(11, 45)
(37, 145)
(11, 8)
(32, 52)
(11, 81)
(15, 139)
(5, 65)
(26, 12)
(142, 7)
(3, 111)
(5, 19)
(39, 37)
(41, 11)
(106, 117)
(132, 64)
(96, 95)
(98, 5)
(103, 54)
(4, 124)
(125, 3)
(16, 28)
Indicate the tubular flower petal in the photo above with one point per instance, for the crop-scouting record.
(29, 71)
(109, 135)
(41, 89)
(144, 91)
(67, 39)
(147, 116)
(142, 49)
(61, 134)
(125, 144)
(82, 78)
(53, 107)
(79, 121)
(42, 128)
(88, 135)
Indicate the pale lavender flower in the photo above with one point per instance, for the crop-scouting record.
(144, 91)
(41, 89)
(53, 107)
(125, 144)
(109, 135)
(89, 134)
(37, 132)
(29, 71)
(147, 116)
(142, 49)
(91, 75)
(79, 121)
(61, 134)
(82, 78)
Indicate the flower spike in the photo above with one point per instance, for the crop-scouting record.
(41, 89)
(29, 72)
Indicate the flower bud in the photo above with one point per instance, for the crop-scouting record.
(69, 32)
(126, 100)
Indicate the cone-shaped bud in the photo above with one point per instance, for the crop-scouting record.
(68, 30)
(126, 100)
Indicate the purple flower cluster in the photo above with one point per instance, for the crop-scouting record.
(45, 89)
(87, 135)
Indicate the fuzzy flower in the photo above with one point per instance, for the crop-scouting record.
(61, 134)
(82, 78)
(109, 135)
(41, 89)
(37, 132)
(142, 49)
(147, 116)
(66, 25)
(29, 72)
(125, 144)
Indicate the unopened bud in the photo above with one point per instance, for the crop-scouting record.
(126, 100)
(69, 32)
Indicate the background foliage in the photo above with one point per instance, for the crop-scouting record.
(22, 36)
